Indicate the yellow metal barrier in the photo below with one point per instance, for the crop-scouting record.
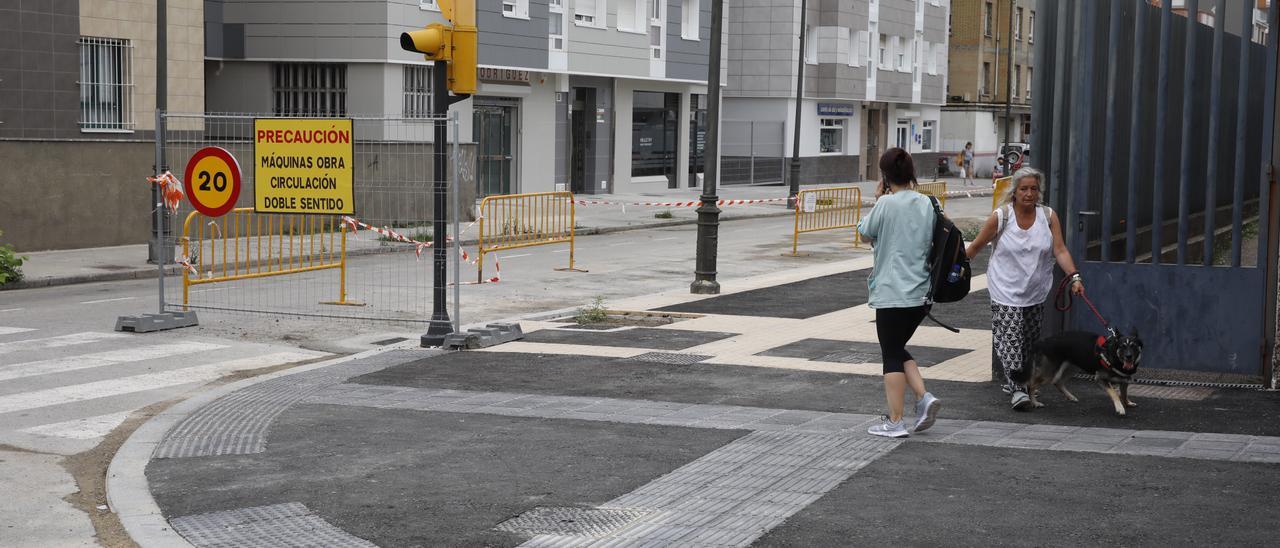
(513, 221)
(831, 208)
(1001, 186)
(937, 190)
(243, 244)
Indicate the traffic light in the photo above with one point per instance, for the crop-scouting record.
(455, 43)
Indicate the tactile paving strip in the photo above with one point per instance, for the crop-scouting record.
(737, 493)
(290, 524)
(237, 424)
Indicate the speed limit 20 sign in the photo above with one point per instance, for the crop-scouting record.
(212, 181)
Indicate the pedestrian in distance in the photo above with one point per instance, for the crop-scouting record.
(900, 229)
(966, 163)
(1026, 240)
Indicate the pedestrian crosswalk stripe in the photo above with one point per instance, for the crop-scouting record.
(59, 341)
(101, 359)
(80, 429)
(11, 330)
(140, 383)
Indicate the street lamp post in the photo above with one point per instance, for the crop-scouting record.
(704, 282)
(794, 177)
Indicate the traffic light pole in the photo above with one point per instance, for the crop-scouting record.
(440, 326)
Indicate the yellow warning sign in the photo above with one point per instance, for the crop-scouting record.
(303, 166)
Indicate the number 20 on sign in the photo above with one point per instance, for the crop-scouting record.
(212, 181)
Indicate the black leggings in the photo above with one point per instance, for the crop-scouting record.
(894, 327)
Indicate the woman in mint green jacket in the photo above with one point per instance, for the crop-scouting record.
(900, 228)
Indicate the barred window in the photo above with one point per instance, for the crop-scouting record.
(417, 91)
(310, 89)
(106, 84)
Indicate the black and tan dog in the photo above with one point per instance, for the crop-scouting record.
(1111, 359)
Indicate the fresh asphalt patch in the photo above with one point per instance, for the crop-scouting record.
(797, 300)
(640, 337)
(412, 478)
(827, 350)
(928, 494)
(1225, 411)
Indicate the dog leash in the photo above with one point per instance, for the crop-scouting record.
(1064, 304)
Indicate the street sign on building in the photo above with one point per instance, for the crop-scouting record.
(212, 181)
(303, 166)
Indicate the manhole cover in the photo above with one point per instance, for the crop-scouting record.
(670, 358)
(585, 522)
(850, 357)
(393, 340)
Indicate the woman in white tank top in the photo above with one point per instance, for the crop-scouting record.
(1026, 241)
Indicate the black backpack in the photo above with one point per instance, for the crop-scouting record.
(945, 254)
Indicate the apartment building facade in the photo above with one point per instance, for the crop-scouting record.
(991, 67)
(77, 115)
(874, 78)
(592, 96)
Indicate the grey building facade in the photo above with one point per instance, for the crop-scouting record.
(593, 96)
(874, 77)
(77, 116)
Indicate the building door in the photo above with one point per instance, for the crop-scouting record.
(495, 129)
(582, 128)
(873, 145)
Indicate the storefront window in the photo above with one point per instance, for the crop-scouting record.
(831, 138)
(926, 138)
(654, 134)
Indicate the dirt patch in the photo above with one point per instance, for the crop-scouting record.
(627, 318)
(89, 468)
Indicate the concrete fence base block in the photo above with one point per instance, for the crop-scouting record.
(147, 323)
(481, 337)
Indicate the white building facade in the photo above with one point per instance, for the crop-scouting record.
(874, 78)
(593, 96)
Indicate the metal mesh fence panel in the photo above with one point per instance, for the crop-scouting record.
(302, 264)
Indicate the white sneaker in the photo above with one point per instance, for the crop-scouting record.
(926, 412)
(1020, 400)
(889, 429)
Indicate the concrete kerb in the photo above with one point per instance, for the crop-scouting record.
(129, 493)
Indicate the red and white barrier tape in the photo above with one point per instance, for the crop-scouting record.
(497, 268)
(694, 203)
(185, 263)
(170, 189)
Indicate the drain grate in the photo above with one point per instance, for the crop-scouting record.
(1185, 393)
(670, 358)
(568, 521)
(1183, 384)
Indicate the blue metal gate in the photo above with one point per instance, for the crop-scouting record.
(1156, 132)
